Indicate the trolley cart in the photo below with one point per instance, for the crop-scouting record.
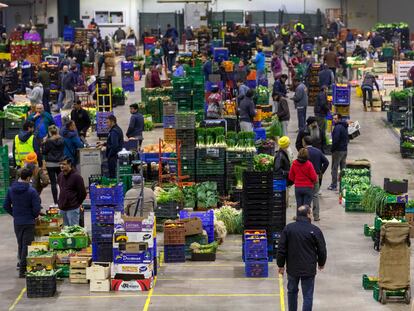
(394, 270)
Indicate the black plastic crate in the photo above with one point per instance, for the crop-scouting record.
(407, 153)
(40, 286)
(174, 253)
(167, 210)
(258, 177)
(211, 153)
(102, 251)
(102, 232)
(395, 187)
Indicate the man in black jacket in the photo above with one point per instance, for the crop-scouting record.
(301, 247)
(321, 108)
(282, 111)
(136, 125)
(113, 144)
(81, 118)
(311, 129)
(339, 148)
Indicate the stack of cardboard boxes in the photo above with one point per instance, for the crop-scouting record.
(99, 277)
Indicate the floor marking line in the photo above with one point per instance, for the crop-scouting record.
(281, 293)
(148, 301)
(18, 299)
(217, 279)
(101, 296)
(203, 266)
(216, 295)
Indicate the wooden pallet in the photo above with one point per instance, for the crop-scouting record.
(80, 262)
(78, 281)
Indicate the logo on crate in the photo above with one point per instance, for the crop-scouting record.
(130, 285)
(147, 237)
(143, 269)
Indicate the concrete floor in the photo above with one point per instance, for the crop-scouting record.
(221, 286)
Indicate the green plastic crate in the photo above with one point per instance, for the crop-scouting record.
(64, 271)
(2, 211)
(77, 242)
(353, 207)
(369, 282)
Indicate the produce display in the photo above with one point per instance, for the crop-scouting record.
(43, 273)
(275, 129)
(204, 249)
(232, 219)
(241, 142)
(166, 147)
(207, 195)
(174, 194)
(40, 253)
(211, 137)
(374, 198)
(402, 95)
(356, 61)
(148, 123)
(263, 162)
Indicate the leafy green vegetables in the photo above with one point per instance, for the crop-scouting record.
(173, 194)
(263, 162)
(375, 198)
(207, 195)
(211, 137)
(232, 219)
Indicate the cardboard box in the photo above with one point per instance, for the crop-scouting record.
(135, 247)
(138, 224)
(98, 271)
(192, 226)
(136, 237)
(134, 285)
(100, 285)
(142, 270)
(35, 248)
(41, 261)
(121, 257)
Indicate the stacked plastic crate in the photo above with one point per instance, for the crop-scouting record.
(174, 241)
(185, 124)
(127, 76)
(255, 253)
(169, 111)
(102, 129)
(105, 202)
(182, 93)
(341, 99)
(134, 253)
(210, 166)
(279, 212)
(236, 163)
(198, 91)
(207, 219)
(258, 205)
(4, 175)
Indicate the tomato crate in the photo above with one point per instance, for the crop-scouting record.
(102, 195)
(174, 253)
(368, 282)
(257, 269)
(40, 286)
(174, 233)
(169, 108)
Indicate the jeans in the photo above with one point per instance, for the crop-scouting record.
(170, 61)
(301, 117)
(45, 100)
(303, 196)
(338, 159)
(315, 201)
(260, 76)
(285, 127)
(112, 167)
(53, 174)
(71, 217)
(308, 285)
(246, 126)
(366, 92)
(69, 99)
(25, 236)
(61, 97)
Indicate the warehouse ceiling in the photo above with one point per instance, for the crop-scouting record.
(17, 2)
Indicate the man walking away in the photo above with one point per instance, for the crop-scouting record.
(331, 59)
(23, 203)
(133, 195)
(301, 101)
(320, 164)
(339, 149)
(72, 193)
(44, 79)
(247, 112)
(82, 120)
(321, 108)
(136, 125)
(302, 246)
(281, 109)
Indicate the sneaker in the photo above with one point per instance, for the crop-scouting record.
(332, 188)
(320, 192)
(316, 219)
(53, 206)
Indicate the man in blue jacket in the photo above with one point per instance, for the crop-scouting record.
(114, 144)
(339, 148)
(136, 125)
(23, 203)
(260, 66)
(279, 88)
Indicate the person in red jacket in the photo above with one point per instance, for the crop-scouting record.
(304, 177)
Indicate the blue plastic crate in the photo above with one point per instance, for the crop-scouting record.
(102, 232)
(210, 233)
(264, 82)
(308, 47)
(279, 184)
(102, 214)
(260, 133)
(168, 122)
(255, 248)
(220, 54)
(126, 66)
(210, 85)
(341, 95)
(251, 84)
(207, 217)
(128, 87)
(257, 269)
(174, 253)
(107, 196)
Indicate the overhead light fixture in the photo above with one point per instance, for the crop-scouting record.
(3, 5)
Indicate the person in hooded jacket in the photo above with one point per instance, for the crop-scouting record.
(281, 166)
(72, 141)
(247, 112)
(42, 120)
(25, 143)
(81, 118)
(303, 176)
(321, 108)
(23, 203)
(53, 153)
(36, 95)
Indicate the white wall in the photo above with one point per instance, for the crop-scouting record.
(396, 11)
(129, 7)
(361, 15)
(15, 14)
(51, 32)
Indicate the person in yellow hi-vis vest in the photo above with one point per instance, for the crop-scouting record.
(24, 143)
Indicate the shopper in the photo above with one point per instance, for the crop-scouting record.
(215, 104)
(53, 153)
(155, 78)
(25, 143)
(282, 162)
(36, 94)
(276, 66)
(260, 61)
(62, 93)
(82, 120)
(135, 197)
(312, 129)
(72, 141)
(72, 192)
(171, 33)
(136, 125)
(331, 59)
(326, 76)
(377, 40)
(42, 120)
(172, 51)
(68, 84)
(119, 35)
(157, 53)
(279, 87)
(281, 109)
(207, 67)
(44, 78)
(301, 247)
(367, 88)
(179, 70)
(320, 164)
(303, 176)
(241, 71)
(247, 112)
(301, 101)
(242, 89)
(321, 109)
(339, 148)
(23, 203)
(114, 144)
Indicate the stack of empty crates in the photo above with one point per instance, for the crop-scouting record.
(102, 129)
(258, 205)
(99, 275)
(185, 124)
(255, 253)
(174, 241)
(105, 201)
(169, 110)
(210, 166)
(198, 91)
(4, 175)
(207, 219)
(127, 76)
(182, 93)
(78, 266)
(279, 212)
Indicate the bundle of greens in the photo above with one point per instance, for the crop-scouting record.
(407, 144)
(204, 249)
(232, 219)
(117, 92)
(174, 194)
(375, 198)
(263, 162)
(241, 142)
(212, 137)
(207, 195)
(275, 129)
(43, 272)
(40, 253)
(402, 95)
(190, 196)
